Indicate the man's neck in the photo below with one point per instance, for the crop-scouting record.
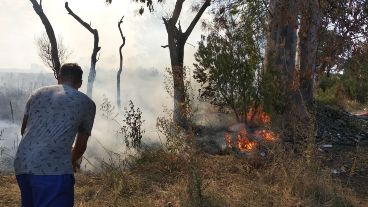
(68, 84)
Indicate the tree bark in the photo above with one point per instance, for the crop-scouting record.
(282, 46)
(120, 65)
(96, 49)
(51, 35)
(293, 120)
(308, 34)
(176, 42)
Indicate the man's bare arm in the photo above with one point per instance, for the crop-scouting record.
(79, 148)
(24, 124)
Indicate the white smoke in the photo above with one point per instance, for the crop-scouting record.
(143, 86)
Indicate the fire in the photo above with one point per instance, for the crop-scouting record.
(243, 143)
(228, 140)
(258, 115)
(267, 135)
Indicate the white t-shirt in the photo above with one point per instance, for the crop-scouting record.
(55, 115)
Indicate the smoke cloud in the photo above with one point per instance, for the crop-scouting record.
(143, 86)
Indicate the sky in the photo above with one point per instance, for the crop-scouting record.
(20, 27)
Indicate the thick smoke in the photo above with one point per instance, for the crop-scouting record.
(143, 86)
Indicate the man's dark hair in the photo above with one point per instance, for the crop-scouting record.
(71, 72)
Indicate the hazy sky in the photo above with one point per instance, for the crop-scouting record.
(20, 26)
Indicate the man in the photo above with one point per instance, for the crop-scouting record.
(44, 162)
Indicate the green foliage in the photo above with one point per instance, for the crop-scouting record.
(328, 90)
(226, 68)
(355, 77)
(132, 127)
(352, 84)
(343, 29)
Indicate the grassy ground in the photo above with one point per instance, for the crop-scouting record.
(159, 178)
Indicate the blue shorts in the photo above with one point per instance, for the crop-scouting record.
(46, 190)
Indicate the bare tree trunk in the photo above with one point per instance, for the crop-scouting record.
(120, 65)
(176, 42)
(96, 49)
(51, 35)
(295, 121)
(308, 34)
(282, 46)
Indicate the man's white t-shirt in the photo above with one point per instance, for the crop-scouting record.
(55, 115)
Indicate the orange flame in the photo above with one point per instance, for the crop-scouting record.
(243, 143)
(267, 135)
(228, 140)
(258, 115)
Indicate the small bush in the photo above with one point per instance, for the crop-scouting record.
(131, 129)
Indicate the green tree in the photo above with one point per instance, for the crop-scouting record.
(355, 77)
(226, 68)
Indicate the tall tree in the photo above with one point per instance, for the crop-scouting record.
(343, 30)
(176, 43)
(96, 49)
(282, 45)
(308, 41)
(120, 65)
(226, 68)
(281, 76)
(50, 34)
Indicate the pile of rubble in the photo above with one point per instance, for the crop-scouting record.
(337, 126)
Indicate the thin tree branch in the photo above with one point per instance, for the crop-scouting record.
(265, 5)
(121, 32)
(96, 48)
(176, 12)
(189, 30)
(83, 23)
(51, 35)
(120, 63)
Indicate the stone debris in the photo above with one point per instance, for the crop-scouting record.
(339, 127)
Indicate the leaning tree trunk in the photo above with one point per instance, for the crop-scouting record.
(120, 65)
(308, 34)
(51, 35)
(96, 49)
(176, 42)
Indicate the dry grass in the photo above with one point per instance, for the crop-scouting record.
(279, 179)
(159, 178)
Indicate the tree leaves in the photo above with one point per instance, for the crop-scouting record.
(226, 69)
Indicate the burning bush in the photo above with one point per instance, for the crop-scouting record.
(257, 120)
